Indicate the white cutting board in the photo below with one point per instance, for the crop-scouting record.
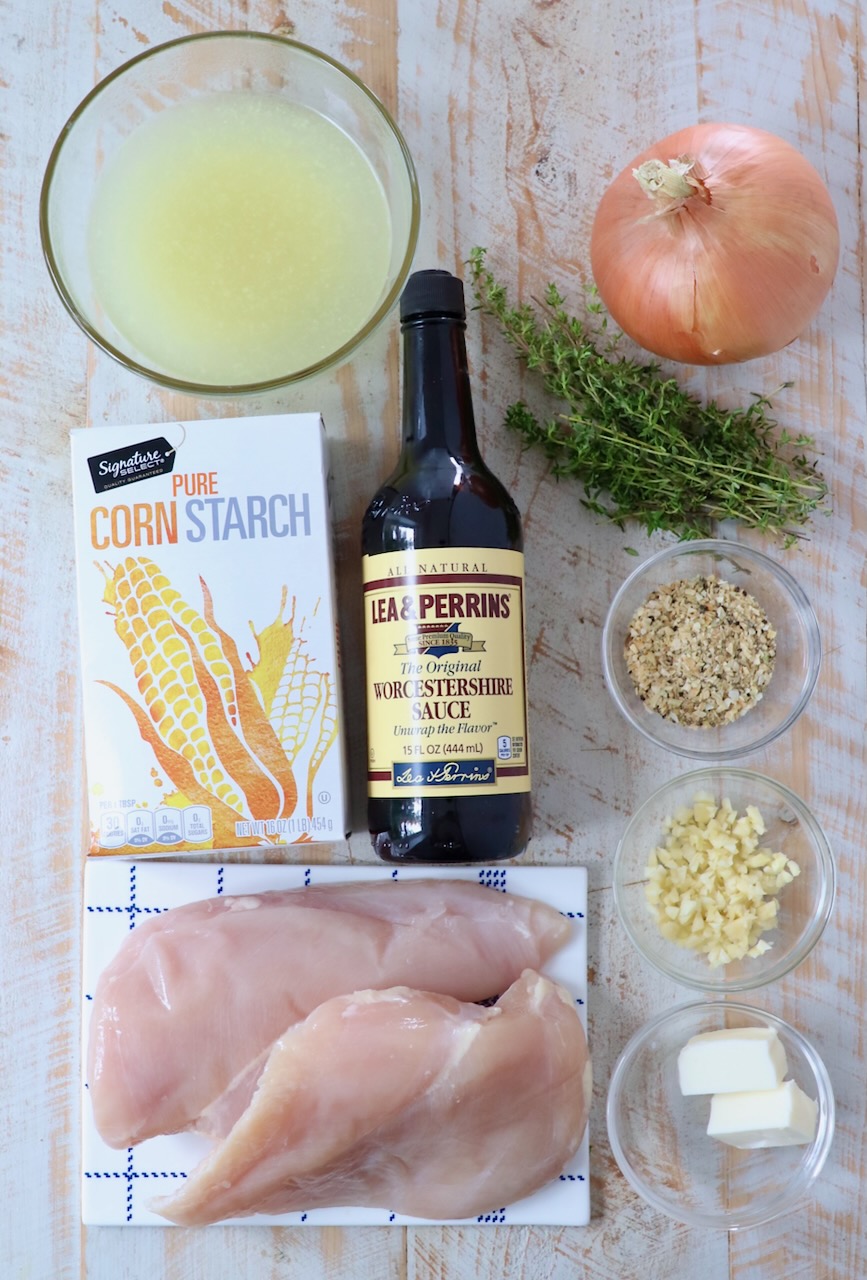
(117, 1185)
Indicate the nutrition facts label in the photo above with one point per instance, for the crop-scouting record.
(164, 826)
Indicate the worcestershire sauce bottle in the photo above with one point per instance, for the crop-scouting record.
(448, 765)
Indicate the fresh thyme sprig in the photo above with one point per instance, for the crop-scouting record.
(663, 458)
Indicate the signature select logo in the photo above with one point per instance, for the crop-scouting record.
(140, 461)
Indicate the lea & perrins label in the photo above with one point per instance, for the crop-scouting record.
(446, 694)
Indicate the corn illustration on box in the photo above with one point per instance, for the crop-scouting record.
(208, 635)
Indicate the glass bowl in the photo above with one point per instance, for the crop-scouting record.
(659, 1138)
(798, 656)
(804, 905)
(222, 68)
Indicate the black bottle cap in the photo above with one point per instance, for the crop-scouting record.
(433, 292)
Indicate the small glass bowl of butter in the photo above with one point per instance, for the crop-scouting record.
(724, 880)
(660, 1135)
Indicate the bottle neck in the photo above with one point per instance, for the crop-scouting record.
(437, 402)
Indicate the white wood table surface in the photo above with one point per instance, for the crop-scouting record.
(517, 112)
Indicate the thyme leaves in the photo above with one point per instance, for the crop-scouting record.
(646, 449)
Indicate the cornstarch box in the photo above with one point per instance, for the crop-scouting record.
(208, 635)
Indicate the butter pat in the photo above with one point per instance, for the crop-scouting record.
(736, 1060)
(780, 1117)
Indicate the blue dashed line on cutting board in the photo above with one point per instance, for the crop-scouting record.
(496, 1215)
(493, 878)
(132, 909)
(130, 1174)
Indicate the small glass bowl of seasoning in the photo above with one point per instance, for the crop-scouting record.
(711, 649)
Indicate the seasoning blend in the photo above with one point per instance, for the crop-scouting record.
(448, 764)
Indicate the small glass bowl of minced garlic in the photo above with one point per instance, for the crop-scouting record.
(711, 649)
(724, 879)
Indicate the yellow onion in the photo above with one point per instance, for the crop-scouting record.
(715, 245)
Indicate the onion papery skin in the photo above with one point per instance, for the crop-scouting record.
(726, 275)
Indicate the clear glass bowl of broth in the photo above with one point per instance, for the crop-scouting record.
(229, 213)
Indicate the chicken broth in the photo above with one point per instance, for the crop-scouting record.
(237, 238)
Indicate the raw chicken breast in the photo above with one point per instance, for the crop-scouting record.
(404, 1100)
(184, 1015)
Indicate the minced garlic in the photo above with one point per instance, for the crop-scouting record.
(712, 887)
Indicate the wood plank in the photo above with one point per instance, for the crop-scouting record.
(517, 113)
(812, 99)
(40, 759)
